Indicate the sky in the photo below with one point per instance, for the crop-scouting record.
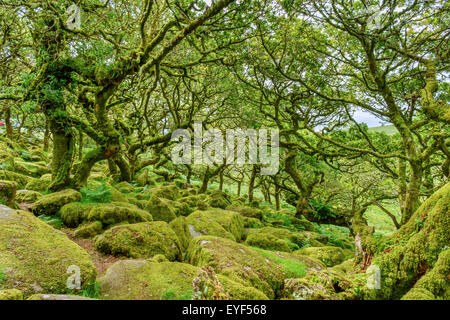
(367, 118)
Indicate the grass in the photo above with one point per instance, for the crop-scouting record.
(92, 291)
(381, 221)
(292, 267)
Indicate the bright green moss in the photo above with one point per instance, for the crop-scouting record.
(89, 230)
(11, 294)
(140, 240)
(161, 209)
(36, 257)
(330, 256)
(148, 280)
(51, 203)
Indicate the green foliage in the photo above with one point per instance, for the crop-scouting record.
(321, 209)
(54, 221)
(91, 291)
(99, 194)
(169, 294)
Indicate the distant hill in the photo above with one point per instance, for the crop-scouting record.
(388, 129)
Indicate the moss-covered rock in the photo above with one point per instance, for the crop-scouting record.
(88, 230)
(181, 229)
(51, 203)
(239, 291)
(27, 196)
(144, 179)
(117, 196)
(267, 241)
(35, 257)
(240, 263)
(247, 212)
(148, 280)
(208, 222)
(252, 223)
(330, 256)
(170, 192)
(140, 240)
(20, 179)
(317, 285)
(125, 187)
(40, 184)
(7, 192)
(161, 209)
(11, 294)
(219, 199)
(74, 214)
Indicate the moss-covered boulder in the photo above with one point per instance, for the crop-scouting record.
(170, 192)
(35, 257)
(7, 192)
(74, 214)
(27, 196)
(140, 240)
(267, 241)
(148, 280)
(181, 229)
(125, 187)
(219, 199)
(238, 262)
(330, 256)
(11, 294)
(144, 179)
(51, 203)
(88, 230)
(40, 184)
(20, 179)
(215, 221)
(152, 280)
(247, 211)
(318, 285)
(161, 209)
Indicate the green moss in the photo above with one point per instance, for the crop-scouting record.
(51, 203)
(293, 266)
(74, 214)
(219, 199)
(419, 294)
(247, 211)
(140, 240)
(89, 230)
(36, 257)
(317, 285)
(20, 179)
(7, 192)
(413, 250)
(27, 196)
(148, 280)
(40, 184)
(215, 221)
(267, 241)
(161, 209)
(11, 294)
(330, 256)
(125, 187)
(240, 263)
(238, 291)
(181, 229)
